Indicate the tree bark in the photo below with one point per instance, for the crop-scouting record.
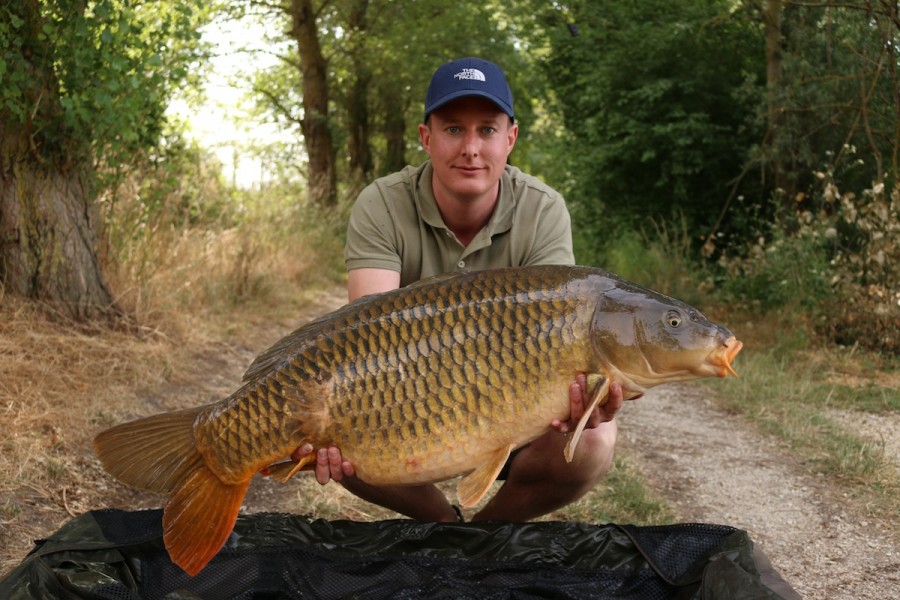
(394, 129)
(772, 16)
(360, 149)
(48, 244)
(322, 174)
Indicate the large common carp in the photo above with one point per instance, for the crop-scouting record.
(443, 377)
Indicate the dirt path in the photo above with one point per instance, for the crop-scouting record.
(715, 467)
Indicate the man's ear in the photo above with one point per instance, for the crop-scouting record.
(425, 137)
(512, 134)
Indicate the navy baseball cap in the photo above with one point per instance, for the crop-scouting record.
(468, 77)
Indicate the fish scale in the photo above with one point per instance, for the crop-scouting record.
(443, 367)
(441, 378)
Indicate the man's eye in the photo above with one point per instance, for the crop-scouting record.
(453, 130)
(488, 130)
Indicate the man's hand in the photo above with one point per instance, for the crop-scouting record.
(329, 463)
(578, 399)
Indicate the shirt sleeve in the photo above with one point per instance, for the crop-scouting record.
(553, 234)
(371, 236)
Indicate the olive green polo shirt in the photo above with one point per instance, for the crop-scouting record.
(395, 224)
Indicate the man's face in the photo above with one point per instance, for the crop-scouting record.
(468, 141)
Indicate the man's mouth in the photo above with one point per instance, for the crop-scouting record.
(468, 169)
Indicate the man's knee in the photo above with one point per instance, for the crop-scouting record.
(595, 454)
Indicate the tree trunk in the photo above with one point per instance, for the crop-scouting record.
(780, 148)
(394, 129)
(48, 245)
(322, 175)
(359, 150)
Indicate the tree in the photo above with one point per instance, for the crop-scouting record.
(659, 100)
(771, 16)
(835, 92)
(84, 88)
(320, 151)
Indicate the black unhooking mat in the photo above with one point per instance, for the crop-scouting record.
(119, 555)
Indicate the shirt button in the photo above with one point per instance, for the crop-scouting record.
(449, 234)
(461, 264)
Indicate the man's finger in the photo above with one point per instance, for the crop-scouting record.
(576, 402)
(298, 454)
(334, 463)
(323, 472)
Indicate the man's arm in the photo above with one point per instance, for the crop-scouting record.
(361, 282)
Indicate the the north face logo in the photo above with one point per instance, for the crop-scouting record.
(470, 74)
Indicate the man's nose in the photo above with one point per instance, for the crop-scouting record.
(471, 143)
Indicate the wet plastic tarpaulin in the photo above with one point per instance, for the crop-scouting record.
(111, 554)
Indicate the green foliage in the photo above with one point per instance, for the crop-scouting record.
(657, 255)
(835, 264)
(838, 94)
(91, 80)
(176, 185)
(655, 97)
(781, 272)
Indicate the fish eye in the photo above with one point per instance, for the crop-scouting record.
(673, 318)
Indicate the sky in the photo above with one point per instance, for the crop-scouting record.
(222, 122)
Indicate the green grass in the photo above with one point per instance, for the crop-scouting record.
(870, 398)
(622, 497)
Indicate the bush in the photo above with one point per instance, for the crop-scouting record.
(837, 260)
(783, 271)
(866, 267)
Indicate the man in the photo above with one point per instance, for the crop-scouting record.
(465, 208)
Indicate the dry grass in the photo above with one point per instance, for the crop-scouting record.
(59, 383)
(200, 303)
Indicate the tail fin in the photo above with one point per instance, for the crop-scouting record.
(199, 518)
(159, 454)
(156, 453)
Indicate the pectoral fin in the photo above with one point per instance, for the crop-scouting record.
(282, 471)
(475, 485)
(599, 386)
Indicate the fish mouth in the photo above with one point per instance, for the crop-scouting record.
(724, 356)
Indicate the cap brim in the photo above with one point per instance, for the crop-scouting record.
(467, 93)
